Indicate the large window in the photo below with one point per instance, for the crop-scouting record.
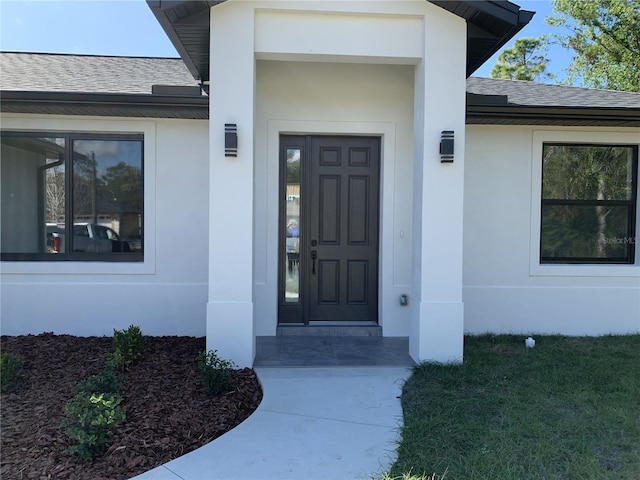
(588, 211)
(72, 197)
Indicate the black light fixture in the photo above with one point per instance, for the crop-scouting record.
(446, 147)
(230, 140)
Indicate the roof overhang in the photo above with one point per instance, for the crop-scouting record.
(488, 114)
(481, 109)
(491, 24)
(105, 104)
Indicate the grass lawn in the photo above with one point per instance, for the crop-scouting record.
(569, 408)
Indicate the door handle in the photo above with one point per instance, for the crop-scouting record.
(314, 255)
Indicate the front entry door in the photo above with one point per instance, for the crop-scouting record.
(329, 224)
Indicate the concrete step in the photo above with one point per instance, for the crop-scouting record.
(333, 330)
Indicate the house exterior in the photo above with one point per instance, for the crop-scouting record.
(315, 164)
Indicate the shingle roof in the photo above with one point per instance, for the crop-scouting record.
(122, 86)
(49, 72)
(543, 95)
(46, 72)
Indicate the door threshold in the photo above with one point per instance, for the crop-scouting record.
(342, 324)
(331, 329)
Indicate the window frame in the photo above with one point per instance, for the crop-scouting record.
(69, 255)
(629, 204)
(604, 136)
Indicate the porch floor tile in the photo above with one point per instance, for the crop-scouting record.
(350, 351)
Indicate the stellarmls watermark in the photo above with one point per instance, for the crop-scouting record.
(621, 240)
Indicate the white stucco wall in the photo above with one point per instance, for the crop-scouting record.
(352, 68)
(347, 99)
(436, 325)
(339, 67)
(164, 295)
(506, 290)
(361, 68)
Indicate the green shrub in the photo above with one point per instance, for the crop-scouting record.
(91, 415)
(215, 373)
(126, 346)
(107, 381)
(9, 372)
(89, 420)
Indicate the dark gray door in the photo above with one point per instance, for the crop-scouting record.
(343, 234)
(334, 275)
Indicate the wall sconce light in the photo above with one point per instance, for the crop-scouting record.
(230, 140)
(446, 147)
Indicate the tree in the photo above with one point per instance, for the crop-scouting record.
(605, 37)
(526, 60)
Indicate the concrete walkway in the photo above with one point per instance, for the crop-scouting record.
(313, 423)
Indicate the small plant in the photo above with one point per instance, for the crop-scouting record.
(126, 346)
(89, 420)
(107, 381)
(9, 372)
(91, 415)
(215, 373)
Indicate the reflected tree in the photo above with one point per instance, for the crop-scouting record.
(293, 167)
(121, 185)
(55, 194)
(84, 184)
(582, 191)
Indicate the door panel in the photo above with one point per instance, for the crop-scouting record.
(358, 221)
(358, 277)
(343, 218)
(329, 212)
(328, 282)
(339, 222)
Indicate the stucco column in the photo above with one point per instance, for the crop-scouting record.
(230, 327)
(436, 326)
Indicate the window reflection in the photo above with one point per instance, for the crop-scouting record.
(292, 227)
(32, 193)
(61, 194)
(588, 199)
(107, 195)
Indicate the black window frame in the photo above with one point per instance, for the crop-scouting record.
(68, 255)
(630, 204)
(291, 312)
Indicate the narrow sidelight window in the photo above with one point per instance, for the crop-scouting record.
(292, 228)
(589, 195)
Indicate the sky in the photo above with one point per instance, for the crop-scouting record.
(100, 27)
(559, 58)
(127, 27)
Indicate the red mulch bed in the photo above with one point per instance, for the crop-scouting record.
(168, 411)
